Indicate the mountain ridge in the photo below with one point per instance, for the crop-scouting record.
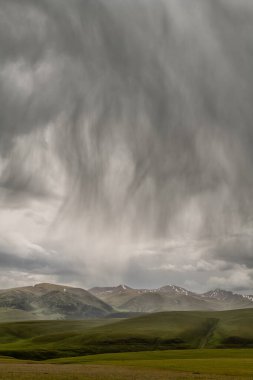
(53, 301)
(170, 297)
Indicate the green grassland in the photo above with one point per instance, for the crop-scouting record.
(41, 340)
(168, 345)
(201, 364)
(102, 372)
(228, 362)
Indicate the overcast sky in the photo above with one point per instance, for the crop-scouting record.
(126, 143)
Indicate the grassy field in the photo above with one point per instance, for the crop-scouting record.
(98, 372)
(160, 365)
(141, 348)
(40, 340)
(226, 362)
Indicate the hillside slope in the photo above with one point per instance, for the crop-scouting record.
(48, 301)
(159, 331)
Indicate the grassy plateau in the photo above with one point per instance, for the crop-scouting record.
(168, 345)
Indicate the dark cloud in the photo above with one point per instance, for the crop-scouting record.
(137, 114)
(41, 262)
(235, 250)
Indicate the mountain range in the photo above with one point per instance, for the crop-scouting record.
(170, 297)
(50, 301)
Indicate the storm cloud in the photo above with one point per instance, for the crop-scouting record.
(126, 128)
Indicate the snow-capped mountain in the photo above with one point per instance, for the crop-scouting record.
(170, 297)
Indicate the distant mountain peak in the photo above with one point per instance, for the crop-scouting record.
(123, 287)
(174, 289)
(218, 293)
(247, 296)
(51, 301)
(227, 296)
(110, 289)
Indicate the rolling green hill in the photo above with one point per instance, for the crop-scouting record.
(160, 331)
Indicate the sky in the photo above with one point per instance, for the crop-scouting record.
(126, 143)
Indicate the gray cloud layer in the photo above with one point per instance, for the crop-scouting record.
(132, 120)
